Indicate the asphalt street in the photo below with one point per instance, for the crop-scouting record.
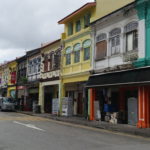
(23, 132)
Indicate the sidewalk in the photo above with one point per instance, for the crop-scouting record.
(124, 128)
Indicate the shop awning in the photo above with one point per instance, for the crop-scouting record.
(130, 77)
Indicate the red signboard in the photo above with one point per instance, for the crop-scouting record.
(13, 77)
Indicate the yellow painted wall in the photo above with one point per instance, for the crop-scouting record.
(105, 7)
(76, 72)
(79, 67)
(73, 20)
(76, 78)
(13, 66)
(9, 89)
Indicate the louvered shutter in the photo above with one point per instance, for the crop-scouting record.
(101, 50)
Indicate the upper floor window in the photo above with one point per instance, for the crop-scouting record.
(87, 20)
(86, 49)
(78, 26)
(115, 41)
(68, 55)
(30, 67)
(35, 65)
(52, 60)
(70, 28)
(131, 31)
(77, 49)
(57, 59)
(101, 46)
(46, 63)
(38, 64)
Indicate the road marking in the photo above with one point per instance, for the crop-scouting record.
(95, 129)
(29, 126)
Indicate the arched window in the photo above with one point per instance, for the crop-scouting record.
(114, 36)
(77, 48)
(131, 31)
(101, 46)
(86, 48)
(101, 37)
(68, 55)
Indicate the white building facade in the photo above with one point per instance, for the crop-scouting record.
(113, 85)
(116, 40)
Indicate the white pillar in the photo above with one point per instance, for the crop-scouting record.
(93, 36)
(141, 39)
(41, 97)
(59, 93)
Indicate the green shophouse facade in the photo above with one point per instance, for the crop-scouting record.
(143, 9)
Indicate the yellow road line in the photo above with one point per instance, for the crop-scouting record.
(26, 118)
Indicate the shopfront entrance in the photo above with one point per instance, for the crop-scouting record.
(50, 94)
(76, 92)
(132, 111)
(116, 105)
(31, 99)
(132, 103)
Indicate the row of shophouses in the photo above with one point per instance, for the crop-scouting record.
(98, 69)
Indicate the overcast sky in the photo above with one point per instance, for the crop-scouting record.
(25, 24)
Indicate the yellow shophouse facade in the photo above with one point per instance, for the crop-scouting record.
(11, 87)
(49, 77)
(76, 56)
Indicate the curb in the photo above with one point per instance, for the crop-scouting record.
(113, 128)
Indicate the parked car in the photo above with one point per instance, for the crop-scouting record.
(7, 104)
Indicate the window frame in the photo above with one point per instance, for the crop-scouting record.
(87, 18)
(78, 26)
(76, 49)
(52, 60)
(57, 59)
(46, 63)
(70, 28)
(131, 29)
(86, 48)
(101, 38)
(115, 38)
(68, 52)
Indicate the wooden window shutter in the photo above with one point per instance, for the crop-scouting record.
(46, 65)
(101, 49)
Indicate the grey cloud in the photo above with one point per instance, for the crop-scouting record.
(25, 24)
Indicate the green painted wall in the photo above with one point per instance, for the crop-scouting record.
(148, 32)
(143, 9)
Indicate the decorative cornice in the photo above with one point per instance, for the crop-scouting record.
(76, 74)
(49, 79)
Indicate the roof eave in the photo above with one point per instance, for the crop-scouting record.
(84, 7)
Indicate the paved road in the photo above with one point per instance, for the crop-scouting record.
(23, 132)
